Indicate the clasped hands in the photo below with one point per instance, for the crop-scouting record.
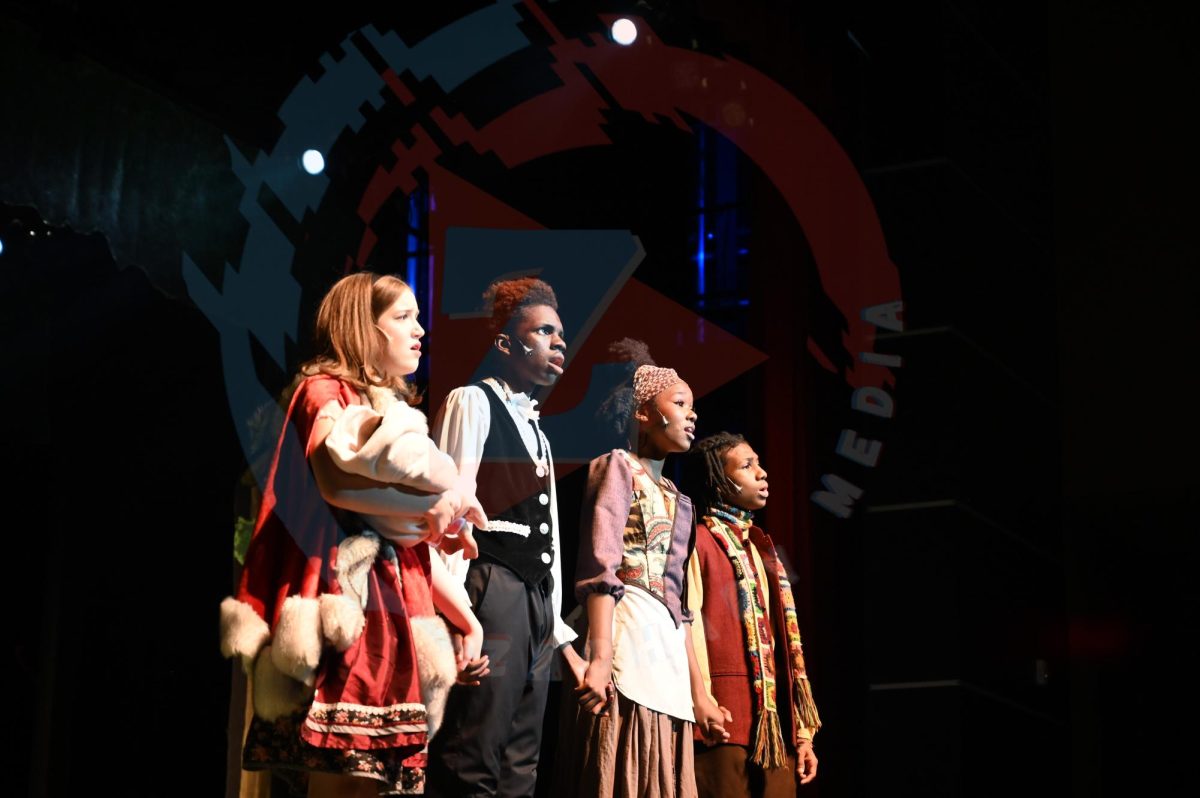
(596, 692)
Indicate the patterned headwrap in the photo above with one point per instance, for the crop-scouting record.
(649, 380)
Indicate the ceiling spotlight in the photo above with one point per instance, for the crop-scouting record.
(624, 31)
(313, 162)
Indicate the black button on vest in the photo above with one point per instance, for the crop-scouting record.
(514, 497)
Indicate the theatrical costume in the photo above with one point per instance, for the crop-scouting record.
(325, 619)
(747, 642)
(490, 739)
(634, 540)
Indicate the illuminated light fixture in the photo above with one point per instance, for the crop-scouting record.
(313, 162)
(1, 246)
(624, 32)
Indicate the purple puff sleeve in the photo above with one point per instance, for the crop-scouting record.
(606, 505)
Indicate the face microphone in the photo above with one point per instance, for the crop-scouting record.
(528, 349)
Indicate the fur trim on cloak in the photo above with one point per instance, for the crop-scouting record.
(435, 666)
(342, 620)
(243, 632)
(296, 647)
(275, 693)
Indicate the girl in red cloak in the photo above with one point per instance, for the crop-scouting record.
(334, 616)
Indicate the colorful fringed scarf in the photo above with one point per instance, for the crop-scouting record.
(767, 745)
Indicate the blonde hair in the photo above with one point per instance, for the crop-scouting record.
(348, 343)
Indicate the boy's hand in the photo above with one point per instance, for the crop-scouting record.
(806, 762)
(711, 720)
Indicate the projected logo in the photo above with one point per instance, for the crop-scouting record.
(473, 236)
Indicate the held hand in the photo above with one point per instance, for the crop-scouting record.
(596, 689)
(473, 642)
(471, 665)
(806, 762)
(575, 663)
(474, 670)
(711, 719)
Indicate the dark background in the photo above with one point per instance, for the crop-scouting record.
(1012, 607)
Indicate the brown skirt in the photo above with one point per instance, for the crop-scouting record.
(629, 751)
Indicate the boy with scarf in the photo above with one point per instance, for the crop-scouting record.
(746, 635)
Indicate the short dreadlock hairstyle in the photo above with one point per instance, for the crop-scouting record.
(704, 468)
(504, 300)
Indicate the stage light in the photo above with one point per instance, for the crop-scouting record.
(1, 246)
(624, 31)
(313, 162)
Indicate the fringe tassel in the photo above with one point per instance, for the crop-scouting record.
(768, 741)
(806, 707)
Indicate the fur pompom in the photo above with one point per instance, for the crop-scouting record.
(275, 693)
(341, 620)
(297, 647)
(243, 632)
(435, 665)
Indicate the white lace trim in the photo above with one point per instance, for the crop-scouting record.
(509, 526)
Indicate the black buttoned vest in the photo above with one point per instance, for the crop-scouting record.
(515, 498)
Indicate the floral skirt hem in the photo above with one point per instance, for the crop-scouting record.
(277, 746)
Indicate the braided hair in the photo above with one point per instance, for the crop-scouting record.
(704, 468)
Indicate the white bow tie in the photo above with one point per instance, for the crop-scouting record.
(525, 405)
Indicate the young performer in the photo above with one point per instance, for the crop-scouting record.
(322, 616)
(642, 688)
(491, 736)
(746, 635)
(388, 441)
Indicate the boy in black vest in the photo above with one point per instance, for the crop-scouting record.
(489, 741)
